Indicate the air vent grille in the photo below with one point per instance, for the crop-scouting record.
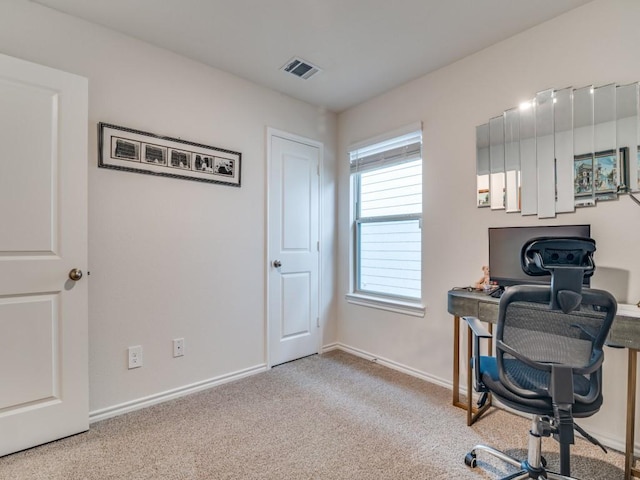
(300, 68)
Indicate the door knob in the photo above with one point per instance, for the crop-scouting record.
(75, 274)
(277, 263)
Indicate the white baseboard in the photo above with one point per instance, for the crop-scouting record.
(389, 363)
(130, 406)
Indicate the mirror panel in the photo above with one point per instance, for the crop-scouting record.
(545, 155)
(528, 168)
(606, 177)
(496, 163)
(627, 136)
(512, 159)
(583, 147)
(566, 148)
(482, 165)
(563, 138)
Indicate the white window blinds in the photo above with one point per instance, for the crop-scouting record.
(380, 152)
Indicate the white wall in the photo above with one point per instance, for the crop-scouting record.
(593, 44)
(173, 258)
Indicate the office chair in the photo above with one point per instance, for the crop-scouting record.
(549, 353)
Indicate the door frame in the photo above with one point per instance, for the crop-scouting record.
(270, 133)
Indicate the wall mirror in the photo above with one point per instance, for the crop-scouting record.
(583, 146)
(529, 176)
(563, 144)
(545, 152)
(606, 176)
(512, 160)
(564, 149)
(482, 165)
(627, 126)
(496, 163)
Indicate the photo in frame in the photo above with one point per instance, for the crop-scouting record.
(605, 175)
(583, 175)
(130, 150)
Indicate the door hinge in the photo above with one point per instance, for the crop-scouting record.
(318, 322)
(318, 170)
(318, 246)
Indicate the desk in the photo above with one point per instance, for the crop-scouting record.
(625, 333)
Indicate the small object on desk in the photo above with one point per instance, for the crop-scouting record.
(496, 292)
(484, 281)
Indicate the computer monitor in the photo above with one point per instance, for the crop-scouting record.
(505, 245)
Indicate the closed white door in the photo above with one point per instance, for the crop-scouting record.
(294, 323)
(43, 237)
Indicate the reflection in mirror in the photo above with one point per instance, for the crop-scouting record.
(512, 159)
(563, 135)
(529, 175)
(583, 146)
(627, 136)
(545, 155)
(482, 165)
(496, 163)
(606, 170)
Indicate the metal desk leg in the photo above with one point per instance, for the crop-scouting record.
(456, 362)
(473, 413)
(629, 457)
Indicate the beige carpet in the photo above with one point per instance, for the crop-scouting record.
(333, 416)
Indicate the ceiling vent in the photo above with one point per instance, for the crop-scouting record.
(300, 68)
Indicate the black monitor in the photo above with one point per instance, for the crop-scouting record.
(505, 244)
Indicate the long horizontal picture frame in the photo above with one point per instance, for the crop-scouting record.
(130, 150)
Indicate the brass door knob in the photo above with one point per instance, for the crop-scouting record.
(75, 274)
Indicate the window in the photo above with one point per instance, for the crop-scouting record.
(387, 190)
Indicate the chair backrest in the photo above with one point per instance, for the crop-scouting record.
(562, 324)
(532, 336)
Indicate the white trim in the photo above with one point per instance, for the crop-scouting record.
(389, 363)
(392, 305)
(126, 407)
(274, 132)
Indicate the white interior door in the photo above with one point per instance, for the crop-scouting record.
(294, 325)
(43, 225)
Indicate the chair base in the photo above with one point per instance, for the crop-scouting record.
(535, 465)
(525, 472)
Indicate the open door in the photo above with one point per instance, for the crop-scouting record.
(43, 254)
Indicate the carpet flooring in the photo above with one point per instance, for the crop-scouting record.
(330, 416)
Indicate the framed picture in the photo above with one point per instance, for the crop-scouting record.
(136, 151)
(605, 175)
(583, 175)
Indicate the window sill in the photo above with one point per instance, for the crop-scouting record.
(414, 309)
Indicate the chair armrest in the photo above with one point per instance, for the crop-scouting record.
(479, 331)
(476, 326)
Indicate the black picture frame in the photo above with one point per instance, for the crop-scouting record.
(129, 150)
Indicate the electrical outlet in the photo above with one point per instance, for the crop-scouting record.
(178, 347)
(135, 356)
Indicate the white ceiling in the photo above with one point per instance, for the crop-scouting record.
(364, 47)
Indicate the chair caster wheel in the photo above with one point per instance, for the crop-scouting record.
(470, 460)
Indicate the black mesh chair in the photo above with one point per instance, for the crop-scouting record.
(549, 353)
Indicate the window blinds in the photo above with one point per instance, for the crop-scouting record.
(378, 153)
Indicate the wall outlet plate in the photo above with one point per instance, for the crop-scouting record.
(178, 347)
(135, 356)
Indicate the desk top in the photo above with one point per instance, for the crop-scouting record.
(625, 331)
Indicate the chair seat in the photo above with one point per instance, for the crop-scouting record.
(531, 379)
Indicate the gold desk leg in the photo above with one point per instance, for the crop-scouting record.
(629, 457)
(456, 361)
(473, 413)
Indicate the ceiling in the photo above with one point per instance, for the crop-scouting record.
(364, 47)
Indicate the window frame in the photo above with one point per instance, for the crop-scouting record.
(387, 301)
